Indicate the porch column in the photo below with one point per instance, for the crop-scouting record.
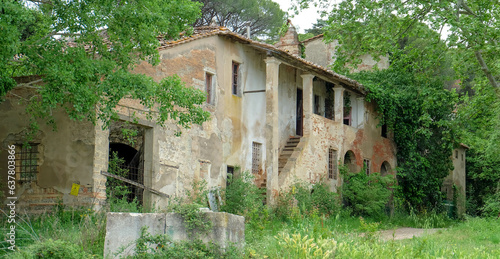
(101, 154)
(272, 127)
(339, 103)
(307, 87)
(360, 111)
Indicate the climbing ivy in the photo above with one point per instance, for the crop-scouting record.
(419, 112)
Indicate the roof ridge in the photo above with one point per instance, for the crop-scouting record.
(312, 38)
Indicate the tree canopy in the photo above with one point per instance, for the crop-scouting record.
(83, 51)
(264, 17)
(376, 27)
(429, 43)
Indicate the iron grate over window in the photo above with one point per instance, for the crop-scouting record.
(27, 162)
(256, 157)
(332, 164)
(366, 163)
(235, 78)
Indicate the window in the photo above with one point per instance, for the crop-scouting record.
(332, 164)
(366, 164)
(236, 78)
(27, 162)
(456, 154)
(208, 87)
(256, 157)
(385, 168)
(316, 105)
(229, 175)
(347, 109)
(330, 102)
(384, 131)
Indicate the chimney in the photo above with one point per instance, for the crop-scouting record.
(247, 25)
(290, 41)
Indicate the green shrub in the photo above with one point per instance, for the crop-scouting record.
(491, 206)
(188, 207)
(366, 195)
(161, 246)
(307, 199)
(56, 249)
(243, 197)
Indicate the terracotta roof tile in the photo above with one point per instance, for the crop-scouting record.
(208, 31)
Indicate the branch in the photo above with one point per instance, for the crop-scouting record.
(485, 69)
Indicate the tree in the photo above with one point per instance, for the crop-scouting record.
(376, 27)
(82, 52)
(264, 17)
(463, 31)
(317, 28)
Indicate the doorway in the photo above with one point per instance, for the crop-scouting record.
(300, 114)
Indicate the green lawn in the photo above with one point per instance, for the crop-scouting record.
(80, 234)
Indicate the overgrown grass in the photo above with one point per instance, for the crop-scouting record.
(473, 238)
(308, 222)
(79, 231)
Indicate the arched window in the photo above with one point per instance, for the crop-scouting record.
(385, 168)
(350, 161)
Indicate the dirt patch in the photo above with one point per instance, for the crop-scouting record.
(406, 233)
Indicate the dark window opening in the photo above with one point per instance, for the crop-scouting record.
(236, 75)
(385, 168)
(229, 175)
(347, 108)
(208, 87)
(456, 153)
(27, 162)
(299, 114)
(332, 164)
(330, 102)
(384, 131)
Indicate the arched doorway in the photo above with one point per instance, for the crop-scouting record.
(385, 168)
(350, 161)
(133, 165)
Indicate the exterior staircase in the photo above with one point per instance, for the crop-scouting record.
(286, 153)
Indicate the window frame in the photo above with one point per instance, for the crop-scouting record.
(332, 164)
(27, 152)
(235, 78)
(256, 157)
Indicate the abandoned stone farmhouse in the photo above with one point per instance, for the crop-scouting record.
(274, 114)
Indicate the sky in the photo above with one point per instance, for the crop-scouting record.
(304, 20)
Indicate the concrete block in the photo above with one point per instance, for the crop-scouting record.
(123, 229)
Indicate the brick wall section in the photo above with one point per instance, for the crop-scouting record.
(290, 41)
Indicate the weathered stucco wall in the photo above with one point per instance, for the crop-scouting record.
(289, 81)
(65, 156)
(204, 152)
(324, 54)
(365, 141)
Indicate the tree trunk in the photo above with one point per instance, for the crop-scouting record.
(485, 69)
